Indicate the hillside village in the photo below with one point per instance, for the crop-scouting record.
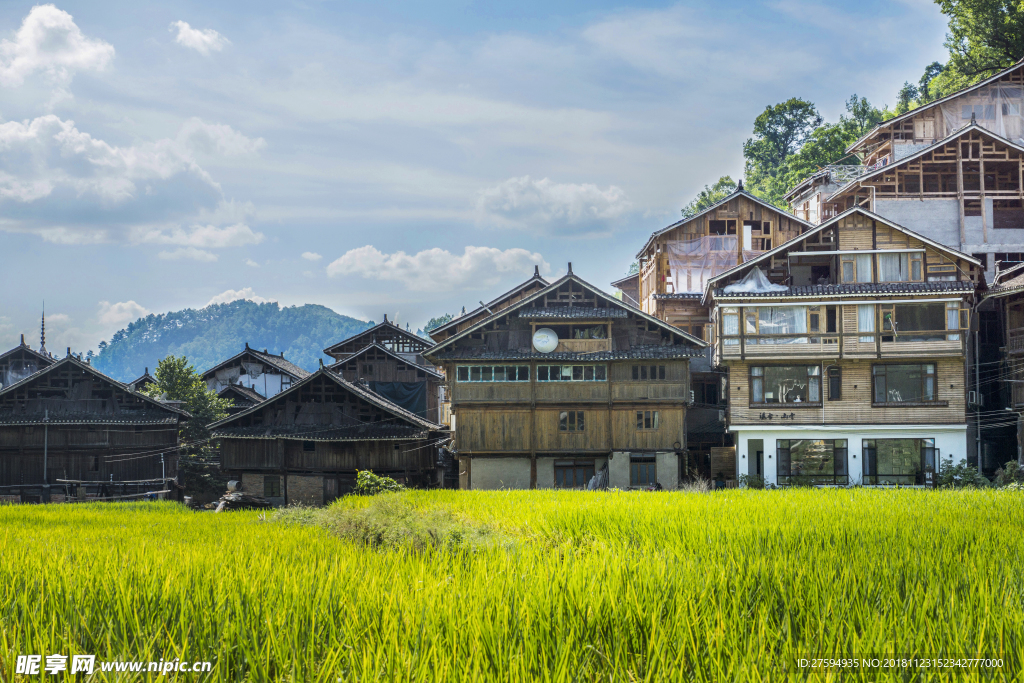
(870, 334)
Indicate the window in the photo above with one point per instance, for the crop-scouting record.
(572, 373)
(777, 322)
(272, 487)
(866, 322)
(573, 474)
(643, 471)
(855, 268)
(900, 267)
(919, 322)
(493, 373)
(786, 384)
(706, 393)
(835, 384)
(309, 446)
(812, 461)
(898, 461)
(647, 419)
(731, 325)
(648, 372)
(904, 383)
(367, 369)
(94, 464)
(570, 421)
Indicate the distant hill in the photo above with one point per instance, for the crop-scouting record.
(210, 335)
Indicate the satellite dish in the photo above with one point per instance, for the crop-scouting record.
(545, 340)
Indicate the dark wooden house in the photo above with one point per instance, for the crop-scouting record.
(20, 362)
(241, 397)
(265, 373)
(70, 430)
(390, 361)
(140, 383)
(306, 444)
(560, 383)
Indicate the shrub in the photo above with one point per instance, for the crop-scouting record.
(369, 484)
(1010, 473)
(961, 475)
(752, 481)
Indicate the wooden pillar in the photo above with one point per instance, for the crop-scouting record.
(981, 177)
(284, 469)
(960, 189)
(533, 425)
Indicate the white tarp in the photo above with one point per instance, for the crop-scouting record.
(996, 107)
(254, 370)
(755, 282)
(693, 262)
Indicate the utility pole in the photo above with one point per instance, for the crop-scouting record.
(163, 473)
(46, 448)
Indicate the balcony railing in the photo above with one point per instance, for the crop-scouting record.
(583, 345)
(840, 345)
(1015, 340)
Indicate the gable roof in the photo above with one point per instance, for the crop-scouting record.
(145, 378)
(287, 367)
(534, 280)
(568, 277)
(714, 207)
(386, 325)
(935, 103)
(243, 391)
(336, 367)
(360, 391)
(89, 369)
(25, 348)
(969, 128)
(829, 223)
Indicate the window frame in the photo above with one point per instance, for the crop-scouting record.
(543, 372)
(269, 492)
(934, 375)
(467, 376)
(576, 466)
(835, 373)
(929, 457)
(840, 467)
(648, 420)
(575, 421)
(802, 404)
(647, 465)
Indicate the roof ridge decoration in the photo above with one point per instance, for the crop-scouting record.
(708, 289)
(372, 330)
(536, 277)
(699, 343)
(935, 103)
(361, 392)
(91, 370)
(739, 191)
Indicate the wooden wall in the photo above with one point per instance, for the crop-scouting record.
(343, 456)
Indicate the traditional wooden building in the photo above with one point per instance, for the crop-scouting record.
(390, 361)
(143, 381)
(305, 444)
(265, 373)
(241, 397)
(562, 383)
(1003, 383)
(499, 303)
(851, 369)
(20, 362)
(69, 429)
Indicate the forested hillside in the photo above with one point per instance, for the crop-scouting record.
(212, 334)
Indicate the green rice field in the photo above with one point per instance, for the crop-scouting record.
(527, 586)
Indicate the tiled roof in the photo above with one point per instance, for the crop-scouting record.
(386, 326)
(145, 417)
(957, 286)
(577, 312)
(696, 296)
(360, 432)
(243, 391)
(338, 366)
(280, 363)
(24, 347)
(481, 353)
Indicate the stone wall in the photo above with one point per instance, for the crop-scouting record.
(305, 490)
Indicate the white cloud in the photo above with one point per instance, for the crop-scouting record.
(437, 269)
(50, 42)
(58, 318)
(236, 294)
(547, 206)
(200, 236)
(311, 256)
(188, 253)
(252, 264)
(116, 315)
(216, 139)
(202, 40)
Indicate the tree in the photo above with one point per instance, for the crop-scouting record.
(925, 93)
(984, 35)
(178, 380)
(434, 323)
(779, 131)
(634, 267)
(706, 198)
(906, 96)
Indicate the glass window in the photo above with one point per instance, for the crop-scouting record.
(731, 325)
(572, 373)
(493, 373)
(893, 267)
(855, 268)
(835, 384)
(866, 321)
(643, 372)
(785, 384)
(897, 461)
(647, 419)
(272, 486)
(642, 471)
(904, 383)
(570, 421)
(782, 320)
(573, 474)
(812, 461)
(914, 322)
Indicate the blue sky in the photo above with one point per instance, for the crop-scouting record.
(408, 158)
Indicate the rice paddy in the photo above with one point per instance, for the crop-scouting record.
(525, 586)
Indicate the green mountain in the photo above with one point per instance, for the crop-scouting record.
(213, 334)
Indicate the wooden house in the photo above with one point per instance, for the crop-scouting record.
(1005, 380)
(852, 369)
(265, 373)
(20, 362)
(241, 397)
(390, 361)
(141, 382)
(561, 383)
(466, 320)
(70, 430)
(305, 444)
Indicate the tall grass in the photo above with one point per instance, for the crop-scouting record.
(730, 586)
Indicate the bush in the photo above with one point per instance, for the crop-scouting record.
(369, 484)
(1010, 473)
(961, 475)
(752, 481)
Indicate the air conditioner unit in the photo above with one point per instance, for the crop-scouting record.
(975, 398)
(691, 397)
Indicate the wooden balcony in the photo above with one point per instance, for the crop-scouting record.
(1015, 341)
(940, 343)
